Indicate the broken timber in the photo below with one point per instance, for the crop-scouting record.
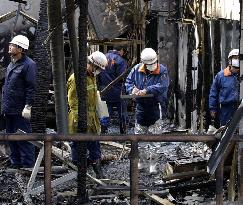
(223, 143)
(63, 155)
(184, 175)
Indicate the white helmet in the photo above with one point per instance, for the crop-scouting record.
(21, 41)
(234, 52)
(148, 56)
(98, 58)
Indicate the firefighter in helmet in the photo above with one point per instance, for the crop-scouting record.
(96, 62)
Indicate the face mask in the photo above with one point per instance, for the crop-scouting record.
(235, 63)
(151, 67)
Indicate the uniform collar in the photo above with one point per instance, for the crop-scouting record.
(23, 57)
(142, 69)
(114, 52)
(227, 71)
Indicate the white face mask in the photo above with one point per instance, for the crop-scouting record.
(235, 63)
(151, 67)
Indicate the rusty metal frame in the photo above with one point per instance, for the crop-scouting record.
(134, 174)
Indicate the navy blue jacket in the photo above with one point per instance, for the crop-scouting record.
(116, 66)
(20, 86)
(156, 83)
(224, 90)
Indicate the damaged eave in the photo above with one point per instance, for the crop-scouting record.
(110, 19)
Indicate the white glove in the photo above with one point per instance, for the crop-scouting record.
(135, 91)
(26, 113)
(211, 130)
(142, 92)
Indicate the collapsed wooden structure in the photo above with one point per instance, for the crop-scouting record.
(187, 30)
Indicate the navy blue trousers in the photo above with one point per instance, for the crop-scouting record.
(122, 113)
(94, 151)
(22, 152)
(227, 112)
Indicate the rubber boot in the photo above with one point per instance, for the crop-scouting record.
(98, 170)
(104, 129)
(122, 128)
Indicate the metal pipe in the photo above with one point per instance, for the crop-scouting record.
(47, 171)
(88, 137)
(134, 174)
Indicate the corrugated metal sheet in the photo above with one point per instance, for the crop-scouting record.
(226, 9)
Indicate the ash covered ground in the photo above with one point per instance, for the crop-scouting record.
(191, 191)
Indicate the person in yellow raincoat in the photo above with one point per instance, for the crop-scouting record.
(96, 62)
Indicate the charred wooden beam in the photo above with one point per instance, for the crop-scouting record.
(134, 173)
(20, 1)
(89, 137)
(7, 16)
(219, 183)
(54, 169)
(187, 184)
(29, 18)
(117, 145)
(223, 143)
(47, 155)
(158, 199)
(185, 175)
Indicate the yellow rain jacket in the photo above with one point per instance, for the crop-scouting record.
(93, 124)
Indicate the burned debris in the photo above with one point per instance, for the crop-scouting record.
(184, 157)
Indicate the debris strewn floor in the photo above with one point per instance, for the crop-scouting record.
(153, 188)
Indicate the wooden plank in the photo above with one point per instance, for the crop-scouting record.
(158, 199)
(117, 145)
(232, 181)
(222, 145)
(184, 175)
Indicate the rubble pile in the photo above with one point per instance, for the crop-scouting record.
(161, 183)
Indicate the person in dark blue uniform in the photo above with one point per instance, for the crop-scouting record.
(17, 99)
(224, 92)
(148, 77)
(117, 64)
